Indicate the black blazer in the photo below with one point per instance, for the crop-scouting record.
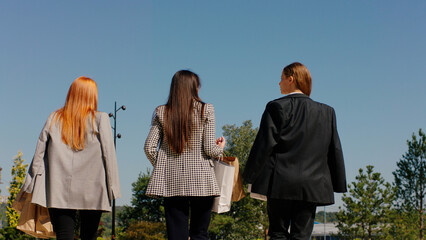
(297, 153)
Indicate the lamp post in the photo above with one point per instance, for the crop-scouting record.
(114, 116)
(325, 219)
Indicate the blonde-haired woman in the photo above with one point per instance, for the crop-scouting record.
(74, 165)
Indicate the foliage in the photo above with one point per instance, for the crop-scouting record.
(410, 181)
(402, 225)
(18, 176)
(367, 208)
(329, 217)
(3, 208)
(248, 217)
(143, 208)
(144, 230)
(13, 233)
(220, 226)
(246, 220)
(104, 229)
(101, 229)
(105, 224)
(239, 141)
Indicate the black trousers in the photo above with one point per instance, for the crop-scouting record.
(177, 215)
(63, 221)
(298, 215)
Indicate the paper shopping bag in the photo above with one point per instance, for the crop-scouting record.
(225, 179)
(237, 191)
(34, 219)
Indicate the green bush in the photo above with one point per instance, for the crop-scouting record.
(13, 233)
(145, 230)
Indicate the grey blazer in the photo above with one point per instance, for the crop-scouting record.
(59, 177)
(191, 172)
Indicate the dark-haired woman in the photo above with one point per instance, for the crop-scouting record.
(180, 146)
(296, 159)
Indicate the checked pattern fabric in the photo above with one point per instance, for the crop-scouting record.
(190, 173)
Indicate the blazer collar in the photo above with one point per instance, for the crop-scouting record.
(294, 95)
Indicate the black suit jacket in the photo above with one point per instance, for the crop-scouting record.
(297, 153)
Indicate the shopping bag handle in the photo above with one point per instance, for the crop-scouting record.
(228, 159)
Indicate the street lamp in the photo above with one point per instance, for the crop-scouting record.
(114, 116)
(325, 219)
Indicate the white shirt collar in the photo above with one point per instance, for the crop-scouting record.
(294, 93)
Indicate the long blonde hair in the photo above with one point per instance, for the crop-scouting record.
(82, 100)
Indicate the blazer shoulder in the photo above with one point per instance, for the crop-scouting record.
(160, 108)
(209, 107)
(158, 114)
(291, 97)
(52, 124)
(274, 105)
(325, 106)
(50, 119)
(281, 102)
(159, 111)
(100, 116)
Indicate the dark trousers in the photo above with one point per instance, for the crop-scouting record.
(177, 214)
(63, 221)
(297, 215)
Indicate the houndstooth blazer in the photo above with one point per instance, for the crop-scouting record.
(60, 177)
(191, 172)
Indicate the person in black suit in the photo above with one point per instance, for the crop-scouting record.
(296, 159)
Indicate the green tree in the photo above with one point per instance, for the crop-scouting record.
(239, 140)
(19, 170)
(410, 181)
(247, 218)
(143, 208)
(402, 225)
(367, 207)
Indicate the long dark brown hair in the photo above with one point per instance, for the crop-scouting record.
(180, 108)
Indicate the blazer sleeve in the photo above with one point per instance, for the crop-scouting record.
(266, 139)
(154, 137)
(109, 156)
(37, 166)
(209, 142)
(335, 159)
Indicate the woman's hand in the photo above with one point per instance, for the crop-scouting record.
(221, 142)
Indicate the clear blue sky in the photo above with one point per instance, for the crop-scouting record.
(367, 60)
